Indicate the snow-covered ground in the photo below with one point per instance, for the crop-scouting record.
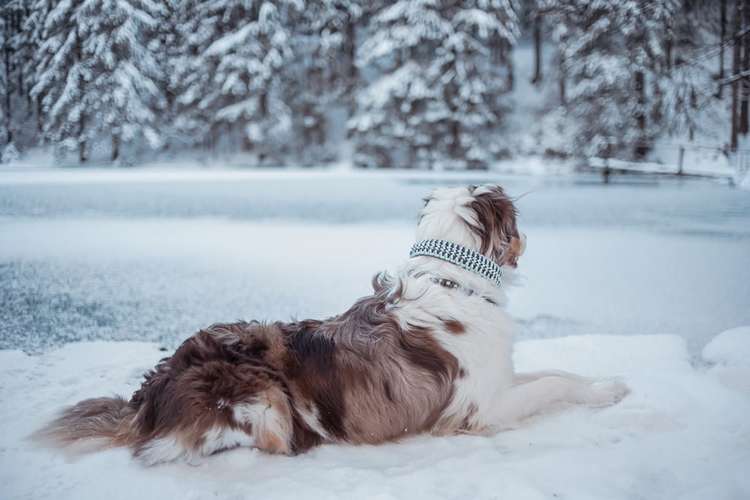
(632, 279)
(683, 433)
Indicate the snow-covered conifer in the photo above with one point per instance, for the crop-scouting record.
(13, 65)
(399, 104)
(612, 56)
(96, 74)
(472, 82)
(237, 52)
(32, 37)
(436, 97)
(686, 86)
(321, 75)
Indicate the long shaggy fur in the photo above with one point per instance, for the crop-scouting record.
(104, 421)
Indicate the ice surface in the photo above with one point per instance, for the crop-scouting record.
(155, 254)
(680, 434)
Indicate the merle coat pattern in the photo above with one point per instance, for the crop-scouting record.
(415, 356)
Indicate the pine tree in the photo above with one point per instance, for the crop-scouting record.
(12, 65)
(96, 75)
(238, 50)
(429, 88)
(124, 70)
(188, 79)
(686, 85)
(168, 45)
(60, 77)
(32, 38)
(322, 73)
(439, 95)
(613, 58)
(393, 110)
(473, 87)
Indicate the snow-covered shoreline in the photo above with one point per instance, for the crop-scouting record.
(682, 433)
(192, 171)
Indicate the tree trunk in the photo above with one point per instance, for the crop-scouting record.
(8, 110)
(735, 70)
(723, 37)
(454, 150)
(213, 137)
(82, 151)
(640, 115)
(694, 106)
(82, 157)
(115, 146)
(321, 130)
(82, 119)
(351, 51)
(668, 45)
(640, 90)
(744, 125)
(39, 116)
(509, 62)
(561, 80)
(352, 72)
(263, 111)
(19, 76)
(537, 50)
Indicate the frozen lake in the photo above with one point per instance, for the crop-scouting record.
(156, 254)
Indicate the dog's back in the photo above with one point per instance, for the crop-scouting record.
(281, 387)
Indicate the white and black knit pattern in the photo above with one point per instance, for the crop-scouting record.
(461, 256)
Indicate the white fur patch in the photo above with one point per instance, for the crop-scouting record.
(171, 449)
(483, 350)
(249, 413)
(264, 419)
(224, 438)
(312, 420)
(161, 450)
(448, 216)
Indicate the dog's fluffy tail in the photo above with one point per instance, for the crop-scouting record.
(90, 425)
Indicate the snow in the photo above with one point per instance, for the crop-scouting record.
(179, 171)
(730, 355)
(720, 168)
(154, 254)
(731, 348)
(682, 433)
(160, 279)
(634, 279)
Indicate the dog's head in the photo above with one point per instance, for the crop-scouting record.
(480, 217)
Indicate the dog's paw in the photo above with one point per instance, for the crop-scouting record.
(606, 392)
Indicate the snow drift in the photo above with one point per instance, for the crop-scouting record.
(683, 433)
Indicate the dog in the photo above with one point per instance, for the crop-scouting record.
(430, 351)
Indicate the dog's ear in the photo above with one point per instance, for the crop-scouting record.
(496, 225)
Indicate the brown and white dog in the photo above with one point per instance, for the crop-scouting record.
(429, 351)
